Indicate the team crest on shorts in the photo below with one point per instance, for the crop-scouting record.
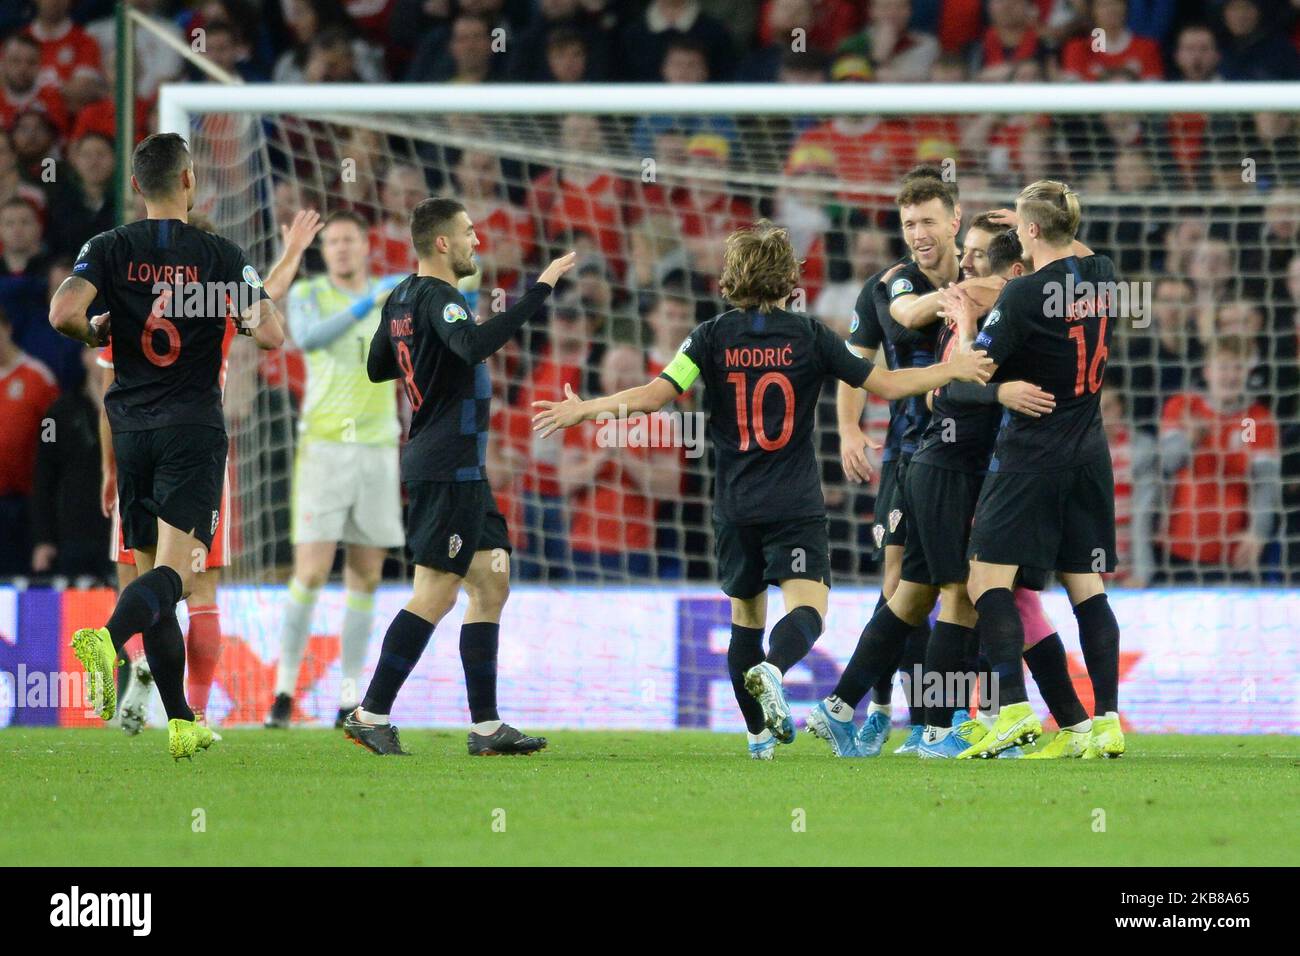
(453, 545)
(878, 532)
(895, 516)
(216, 516)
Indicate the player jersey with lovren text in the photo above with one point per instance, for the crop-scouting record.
(341, 403)
(763, 374)
(428, 337)
(170, 289)
(1053, 328)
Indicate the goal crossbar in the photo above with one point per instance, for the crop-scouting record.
(179, 100)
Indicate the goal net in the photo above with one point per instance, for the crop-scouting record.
(1194, 196)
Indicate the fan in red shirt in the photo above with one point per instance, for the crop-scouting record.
(506, 235)
(571, 200)
(70, 57)
(26, 390)
(1010, 38)
(1120, 48)
(614, 478)
(568, 354)
(20, 64)
(1222, 449)
(391, 252)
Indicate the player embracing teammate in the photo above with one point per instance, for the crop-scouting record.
(938, 497)
(1049, 499)
(762, 367)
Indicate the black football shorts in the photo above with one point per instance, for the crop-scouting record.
(752, 556)
(174, 473)
(1059, 520)
(448, 522)
(937, 506)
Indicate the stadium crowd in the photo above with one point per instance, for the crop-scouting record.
(1196, 501)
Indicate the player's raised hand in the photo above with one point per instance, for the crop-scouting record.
(1026, 398)
(972, 366)
(558, 267)
(557, 415)
(853, 455)
(298, 235)
(959, 309)
(1004, 217)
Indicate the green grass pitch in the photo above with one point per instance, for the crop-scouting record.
(84, 797)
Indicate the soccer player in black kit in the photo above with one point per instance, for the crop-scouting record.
(429, 339)
(763, 368)
(172, 292)
(932, 224)
(1049, 498)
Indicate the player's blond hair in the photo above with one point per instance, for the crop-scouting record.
(1053, 207)
(759, 267)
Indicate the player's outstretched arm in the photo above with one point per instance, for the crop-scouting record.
(973, 366)
(68, 312)
(916, 311)
(297, 237)
(649, 397)
(475, 343)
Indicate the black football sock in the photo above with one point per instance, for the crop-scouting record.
(986, 685)
(912, 660)
(1051, 672)
(143, 603)
(1099, 638)
(404, 642)
(1002, 638)
(793, 637)
(745, 651)
(945, 672)
(164, 648)
(877, 652)
(478, 657)
(882, 692)
(970, 666)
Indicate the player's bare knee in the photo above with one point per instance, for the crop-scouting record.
(487, 596)
(955, 606)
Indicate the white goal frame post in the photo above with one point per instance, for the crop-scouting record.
(179, 103)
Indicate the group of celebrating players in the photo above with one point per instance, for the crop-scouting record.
(989, 480)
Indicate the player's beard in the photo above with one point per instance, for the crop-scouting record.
(463, 268)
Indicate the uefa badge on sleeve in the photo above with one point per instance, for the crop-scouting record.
(453, 545)
(454, 313)
(252, 278)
